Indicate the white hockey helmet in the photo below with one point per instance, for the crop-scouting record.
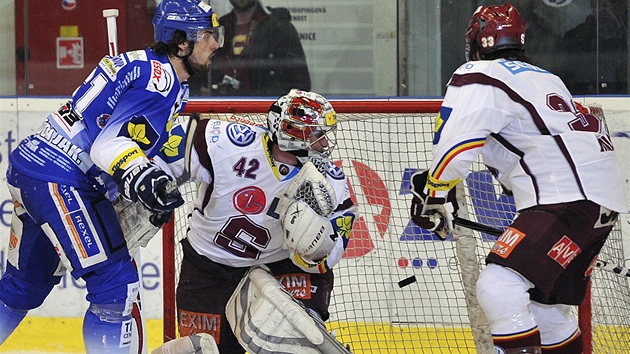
(304, 124)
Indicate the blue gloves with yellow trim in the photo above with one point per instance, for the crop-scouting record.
(433, 214)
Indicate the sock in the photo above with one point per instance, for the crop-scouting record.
(106, 330)
(524, 342)
(10, 318)
(572, 345)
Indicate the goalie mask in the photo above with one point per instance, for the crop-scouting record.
(493, 28)
(304, 124)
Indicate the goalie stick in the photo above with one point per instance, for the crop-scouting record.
(193, 121)
(112, 31)
(136, 221)
(138, 312)
(601, 264)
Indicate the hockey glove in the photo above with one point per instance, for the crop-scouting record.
(151, 186)
(160, 219)
(433, 214)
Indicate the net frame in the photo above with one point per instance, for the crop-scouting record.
(602, 325)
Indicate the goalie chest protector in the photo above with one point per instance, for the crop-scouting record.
(240, 225)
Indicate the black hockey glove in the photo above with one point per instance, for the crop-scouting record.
(152, 187)
(160, 219)
(433, 214)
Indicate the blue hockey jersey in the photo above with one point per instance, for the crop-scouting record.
(119, 117)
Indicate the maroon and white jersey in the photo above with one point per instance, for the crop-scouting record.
(234, 219)
(524, 122)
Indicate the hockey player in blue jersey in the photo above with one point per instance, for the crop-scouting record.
(99, 145)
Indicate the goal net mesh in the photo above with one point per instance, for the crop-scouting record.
(398, 288)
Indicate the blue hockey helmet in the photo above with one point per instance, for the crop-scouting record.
(190, 16)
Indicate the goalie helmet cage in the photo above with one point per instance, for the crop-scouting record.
(398, 289)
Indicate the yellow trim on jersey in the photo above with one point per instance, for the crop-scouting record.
(123, 160)
(321, 265)
(434, 184)
(267, 147)
(344, 223)
(438, 123)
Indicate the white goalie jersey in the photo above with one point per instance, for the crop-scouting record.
(234, 219)
(524, 122)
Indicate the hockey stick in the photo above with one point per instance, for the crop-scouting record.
(623, 271)
(138, 312)
(191, 131)
(112, 31)
(469, 224)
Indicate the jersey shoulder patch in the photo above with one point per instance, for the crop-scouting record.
(137, 55)
(110, 65)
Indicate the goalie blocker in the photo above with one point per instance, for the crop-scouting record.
(266, 319)
(304, 210)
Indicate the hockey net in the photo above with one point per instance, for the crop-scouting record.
(398, 289)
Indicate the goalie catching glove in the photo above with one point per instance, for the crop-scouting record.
(310, 186)
(152, 187)
(433, 214)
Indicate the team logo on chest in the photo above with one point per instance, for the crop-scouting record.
(161, 80)
(249, 200)
(240, 134)
(335, 172)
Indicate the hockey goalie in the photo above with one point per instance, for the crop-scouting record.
(272, 217)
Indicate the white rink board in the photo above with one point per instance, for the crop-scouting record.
(21, 116)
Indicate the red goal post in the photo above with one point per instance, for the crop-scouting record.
(398, 289)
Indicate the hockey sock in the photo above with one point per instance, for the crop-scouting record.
(106, 330)
(10, 318)
(571, 345)
(525, 342)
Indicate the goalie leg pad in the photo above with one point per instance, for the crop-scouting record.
(201, 343)
(266, 319)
